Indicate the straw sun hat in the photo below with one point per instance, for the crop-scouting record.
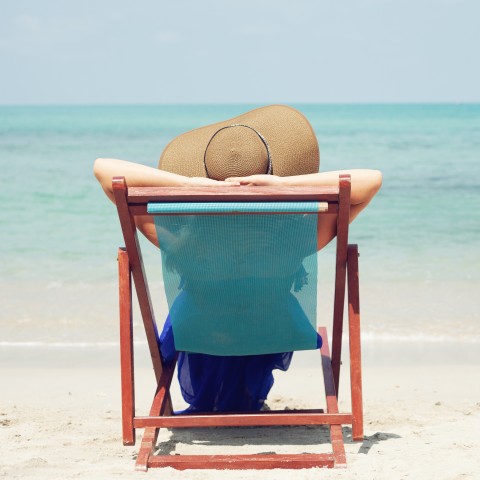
(275, 139)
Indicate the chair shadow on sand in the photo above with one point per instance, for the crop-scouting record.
(370, 440)
(311, 436)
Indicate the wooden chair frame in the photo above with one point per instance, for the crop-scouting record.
(132, 202)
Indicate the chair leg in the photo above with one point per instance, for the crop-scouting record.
(355, 347)
(168, 405)
(161, 405)
(149, 440)
(126, 348)
(336, 435)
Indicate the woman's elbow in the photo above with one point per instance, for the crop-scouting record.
(98, 168)
(377, 179)
(370, 187)
(101, 173)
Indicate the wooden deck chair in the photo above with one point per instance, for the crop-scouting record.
(332, 200)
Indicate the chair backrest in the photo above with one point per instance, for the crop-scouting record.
(235, 263)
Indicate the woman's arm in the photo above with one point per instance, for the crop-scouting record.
(365, 184)
(137, 175)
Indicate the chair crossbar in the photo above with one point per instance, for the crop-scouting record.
(141, 195)
(242, 420)
(241, 462)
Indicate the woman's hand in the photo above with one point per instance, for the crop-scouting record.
(258, 180)
(207, 182)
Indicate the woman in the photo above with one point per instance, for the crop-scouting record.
(269, 146)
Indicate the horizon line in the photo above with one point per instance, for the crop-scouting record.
(219, 104)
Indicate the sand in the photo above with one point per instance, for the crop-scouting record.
(422, 418)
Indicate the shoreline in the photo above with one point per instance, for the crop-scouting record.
(392, 352)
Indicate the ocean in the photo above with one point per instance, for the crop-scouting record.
(418, 239)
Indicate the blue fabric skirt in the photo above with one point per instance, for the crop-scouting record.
(211, 383)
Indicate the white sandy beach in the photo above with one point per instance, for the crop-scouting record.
(61, 419)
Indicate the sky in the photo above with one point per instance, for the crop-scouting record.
(217, 51)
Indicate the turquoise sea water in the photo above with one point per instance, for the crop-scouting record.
(418, 239)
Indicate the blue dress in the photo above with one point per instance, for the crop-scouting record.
(211, 383)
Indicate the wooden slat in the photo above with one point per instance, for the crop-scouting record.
(140, 195)
(126, 348)
(147, 446)
(338, 447)
(242, 462)
(354, 341)
(136, 263)
(161, 401)
(234, 420)
(161, 405)
(330, 391)
(336, 435)
(343, 220)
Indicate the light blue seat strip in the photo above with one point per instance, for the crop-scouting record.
(235, 207)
